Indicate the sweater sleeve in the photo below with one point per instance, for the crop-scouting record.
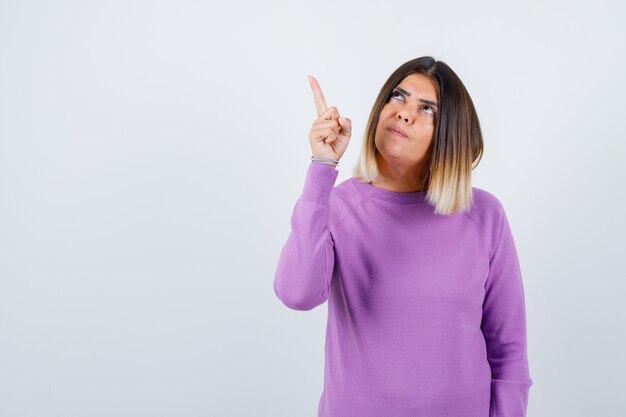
(504, 328)
(306, 262)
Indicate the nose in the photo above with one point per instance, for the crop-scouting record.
(404, 114)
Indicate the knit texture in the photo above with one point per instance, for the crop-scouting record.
(426, 313)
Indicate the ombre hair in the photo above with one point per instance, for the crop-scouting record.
(457, 144)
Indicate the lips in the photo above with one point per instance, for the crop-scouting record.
(397, 131)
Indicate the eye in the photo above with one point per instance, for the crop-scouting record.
(432, 110)
(396, 93)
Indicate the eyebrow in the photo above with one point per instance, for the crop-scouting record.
(423, 100)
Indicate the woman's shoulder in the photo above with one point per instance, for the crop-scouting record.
(487, 209)
(485, 199)
(345, 200)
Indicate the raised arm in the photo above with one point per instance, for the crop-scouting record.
(305, 265)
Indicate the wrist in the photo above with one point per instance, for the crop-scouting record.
(325, 161)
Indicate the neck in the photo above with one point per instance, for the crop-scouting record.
(401, 178)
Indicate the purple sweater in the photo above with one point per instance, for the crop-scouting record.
(426, 313)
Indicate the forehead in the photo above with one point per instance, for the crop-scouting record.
(420, 86)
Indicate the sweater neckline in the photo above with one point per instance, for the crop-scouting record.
(387, 195)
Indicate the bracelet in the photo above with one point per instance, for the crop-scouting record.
(326, 161)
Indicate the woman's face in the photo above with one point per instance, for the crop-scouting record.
(411, 109)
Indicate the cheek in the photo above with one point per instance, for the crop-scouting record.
(428, 126)
(385, 111)
(383, 116)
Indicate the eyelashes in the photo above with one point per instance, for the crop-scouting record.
(396, 93)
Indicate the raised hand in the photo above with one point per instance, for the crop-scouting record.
(330, 133)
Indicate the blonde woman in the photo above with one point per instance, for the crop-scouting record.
(426, 311)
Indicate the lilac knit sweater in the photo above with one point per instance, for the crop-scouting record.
(426, 313)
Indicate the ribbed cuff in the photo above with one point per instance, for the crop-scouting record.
(509, 397)
(319, 182)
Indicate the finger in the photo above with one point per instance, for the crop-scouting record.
(324, 135)
(331, 135)
(320, 102)
(345, 126)
(320, 123)
(330, 113)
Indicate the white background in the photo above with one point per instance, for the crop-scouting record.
(151, 153)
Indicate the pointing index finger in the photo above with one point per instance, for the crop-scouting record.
(320, 102)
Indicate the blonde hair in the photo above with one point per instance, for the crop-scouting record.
(457, 144)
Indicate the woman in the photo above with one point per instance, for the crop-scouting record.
(426, 312)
